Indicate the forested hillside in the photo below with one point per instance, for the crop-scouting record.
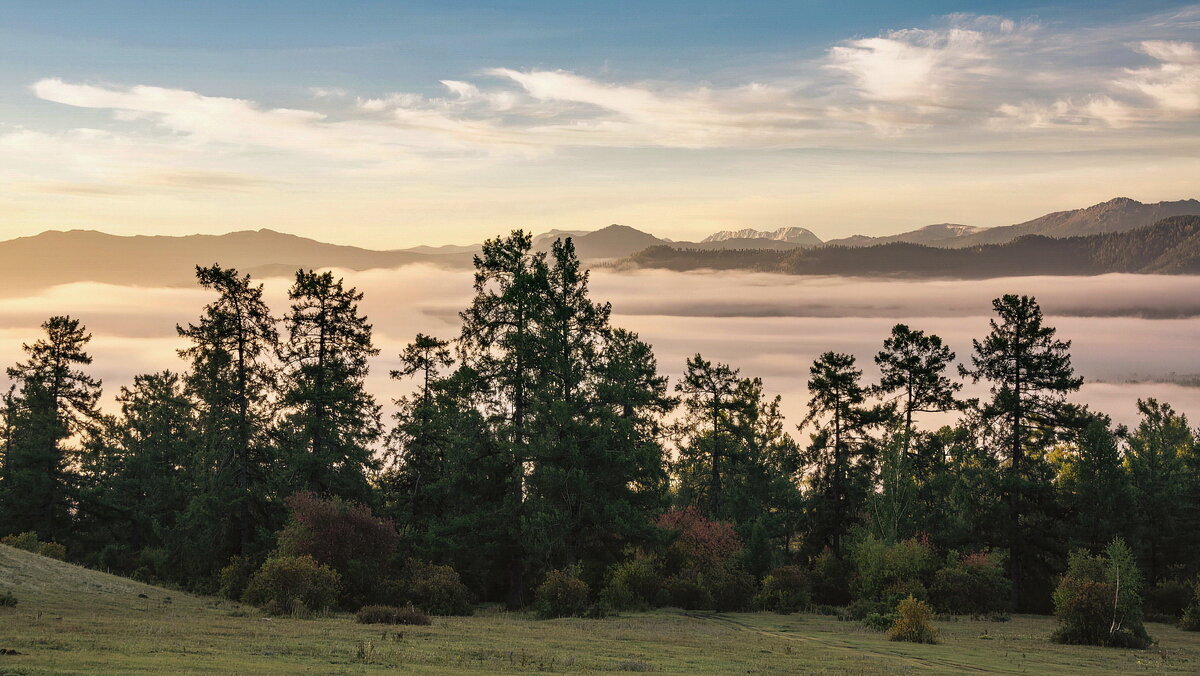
(1171, 246)
(543, 457)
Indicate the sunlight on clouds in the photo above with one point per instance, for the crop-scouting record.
(1175, 83)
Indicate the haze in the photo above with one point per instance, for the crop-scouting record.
(1133, 335)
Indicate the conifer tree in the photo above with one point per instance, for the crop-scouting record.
(232, 383)
(841, 453)
(51, 400)
(331, 422)
(1030, 374)
(912, 366)
(1095, 487)
(1156, 461)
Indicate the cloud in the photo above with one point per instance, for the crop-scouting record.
(1174, 84)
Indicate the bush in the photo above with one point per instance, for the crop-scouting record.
(731, 588)
(972, 585)
(830, 579)
(1191, 615)
(633, 584)
(293, 584)
(235, 575)
(890, 573)
(29, 542)
(7, 600)
(438, 590)
(1168, 599)
(391, 615)
(687, 594)
(914, 622)
(562, 594)
(784, 590)
(880, 621)
(859, 609)
(1098, 601)
(699, 544)
(52, 550)
(343, 535)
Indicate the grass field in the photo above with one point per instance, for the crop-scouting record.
(71, 620)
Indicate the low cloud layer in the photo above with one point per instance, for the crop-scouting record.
(784, 323)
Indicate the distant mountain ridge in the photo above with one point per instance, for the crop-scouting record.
(61, 257)
(794, 235)
(1171, 246)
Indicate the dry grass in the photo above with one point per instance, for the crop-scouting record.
(75, 621)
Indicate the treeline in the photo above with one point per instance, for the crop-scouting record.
(1171, 246)
(542, 446)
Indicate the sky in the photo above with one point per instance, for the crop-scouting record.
(392, 124)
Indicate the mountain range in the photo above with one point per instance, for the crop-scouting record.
(59, 257)
(1171, 246)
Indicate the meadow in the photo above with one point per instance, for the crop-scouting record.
(71, 620)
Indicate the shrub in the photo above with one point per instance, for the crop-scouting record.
(52, 550)
(880, 621)
(784, 590)
(830, 579)
(27, 541)
(699, 543)
(438, 590)
(914, 622)
(235, 575)
(391, 615)
(343, 535)
(687, 594)
(562, 594)
(890, 573)
(8, 600)
(282, 581)
(972, 585)
(1098, 601)
(1168, 599)
(1191, 614)
(731, 588)
(633, 584)
(859, 609)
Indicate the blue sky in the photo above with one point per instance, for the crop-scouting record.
(407, 123)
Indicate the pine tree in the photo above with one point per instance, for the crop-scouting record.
(1030, 374)
(139, 474)
(51, 401)
(1156, 459)
(498, 351)
(423, 434)
(331, 422)
(1095, 487)
(842, 453)
(912, 365)
(232, 382)
(709, 398)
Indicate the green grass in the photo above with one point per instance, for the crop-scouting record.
(71, 620)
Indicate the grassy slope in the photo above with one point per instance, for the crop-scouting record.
(73, 620)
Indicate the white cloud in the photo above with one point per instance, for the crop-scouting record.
(1174, 85)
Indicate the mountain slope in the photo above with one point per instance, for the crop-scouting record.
(934, 235)
(58, 257)
(1171, 246)
(1116, 215)
(793, 235)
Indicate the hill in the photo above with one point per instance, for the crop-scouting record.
(1171, 246)
(71, 620)
(60, 257)
(1116, 215)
